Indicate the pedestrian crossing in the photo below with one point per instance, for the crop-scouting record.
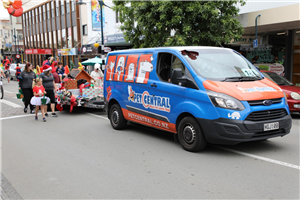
(9, 103)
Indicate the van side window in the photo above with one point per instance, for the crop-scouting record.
(176, 63)
(164, 66)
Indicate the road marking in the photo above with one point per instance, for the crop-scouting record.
(10, 103)
(18, 116)
(97, 116)
(261, 158)
(5, 91)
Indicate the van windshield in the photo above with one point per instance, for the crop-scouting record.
(221, 65)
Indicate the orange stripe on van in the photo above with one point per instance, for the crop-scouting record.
(148, 121)
(239, 90)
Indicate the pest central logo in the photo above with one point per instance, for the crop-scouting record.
(149, 101)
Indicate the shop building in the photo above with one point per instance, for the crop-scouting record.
(51, 29)
(5, 38)
(278, 35)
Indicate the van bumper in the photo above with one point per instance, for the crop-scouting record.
(229, 131)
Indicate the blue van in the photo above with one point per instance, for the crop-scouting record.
(201, 94)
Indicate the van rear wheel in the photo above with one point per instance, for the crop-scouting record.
(190, 135)
(116, 117)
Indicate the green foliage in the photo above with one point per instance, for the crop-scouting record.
(150, 23)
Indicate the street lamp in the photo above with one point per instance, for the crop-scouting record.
(101, 3)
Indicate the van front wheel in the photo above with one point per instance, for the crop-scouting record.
(190, 135)
(116, 117)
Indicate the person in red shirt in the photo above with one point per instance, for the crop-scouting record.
(39, 92)
(6, 71)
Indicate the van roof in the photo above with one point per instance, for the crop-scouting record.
(179, 48)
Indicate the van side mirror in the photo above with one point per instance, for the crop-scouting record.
(176, 75)
(179, 79)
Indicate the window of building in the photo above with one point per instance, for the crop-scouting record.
(20, 35)
(40, 14)
(84, 30)
(1, 33)
(57, 12)
(117, 17)
(44, 16)
(68, 7)
(48, 10)
(73, 5)
(62, 9)
(52, 9)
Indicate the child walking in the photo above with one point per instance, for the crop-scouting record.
(38, 92)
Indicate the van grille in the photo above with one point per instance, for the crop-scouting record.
(267, 115)
(260, 102)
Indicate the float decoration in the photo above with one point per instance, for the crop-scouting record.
(14, 8)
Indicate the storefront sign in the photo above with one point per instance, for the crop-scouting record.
(88, 50)
(244, 40)
(38, 51)
(274, 67)
(107, 49)
(119, 37)
(67, 52)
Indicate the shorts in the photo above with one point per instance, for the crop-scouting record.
(51, 95)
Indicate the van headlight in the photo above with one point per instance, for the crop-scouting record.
(225, 101)
(295, 95)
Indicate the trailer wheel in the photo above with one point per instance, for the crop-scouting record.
(190, 135)
(117, 119)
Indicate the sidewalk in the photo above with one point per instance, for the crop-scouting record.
(8, 191)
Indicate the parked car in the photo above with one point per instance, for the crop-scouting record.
(12, 70)
(292, 91)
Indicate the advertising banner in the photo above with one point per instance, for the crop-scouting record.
(67, 52)
(38, 51)
(96, 16)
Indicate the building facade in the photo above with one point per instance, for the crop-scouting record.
(5, 38)
(64, 29)
(50, 29)
(278, 35)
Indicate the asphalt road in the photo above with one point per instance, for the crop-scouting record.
(79, 156)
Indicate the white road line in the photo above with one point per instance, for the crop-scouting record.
(18, 116)
(97, 116)
(5, 91)
(10, 103)
(261, 158)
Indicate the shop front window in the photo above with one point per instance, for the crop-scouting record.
(269, 55)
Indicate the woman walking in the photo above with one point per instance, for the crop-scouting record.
(49, 85)
(26, 78)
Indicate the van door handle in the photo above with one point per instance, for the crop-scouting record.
(153, 85)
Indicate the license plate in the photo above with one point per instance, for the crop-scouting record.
(271, 126)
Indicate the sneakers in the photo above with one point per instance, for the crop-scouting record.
(44, 119)
(25, 110)
(36, 118)
(32, 112)
(46, 114)
(54, 115)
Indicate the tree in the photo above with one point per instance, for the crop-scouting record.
(150, 23)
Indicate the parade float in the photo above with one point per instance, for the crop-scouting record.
(14, 8)
(79, 89)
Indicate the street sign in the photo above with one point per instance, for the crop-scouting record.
(18, 56)
(255, 43)
(107, 49)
